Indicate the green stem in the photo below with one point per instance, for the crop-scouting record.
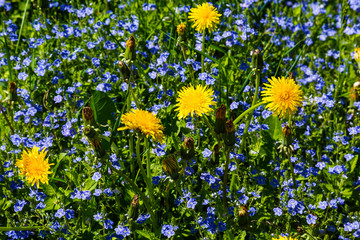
(203, 51)
(226, 178)
(4, 229)
(241, 116)
(148, 165)
(247, 125)
(137, 189)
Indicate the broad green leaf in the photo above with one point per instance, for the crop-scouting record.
(103, 108)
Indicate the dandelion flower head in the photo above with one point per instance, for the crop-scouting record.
(204, 16)
(357, 54)
(283, 96)
(34, 166)
(284, 238)
(145, 122)
(194, 100)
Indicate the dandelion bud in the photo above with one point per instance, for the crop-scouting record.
(230, 138)
(89, 132)
(220, 119)
(243, 211)
(12, 91)
(243, 215)
(133, 210)
(287, 137)
(124, 70)
(187, 151)
(216, 153)
(181, 29)
(257, 61)
(88, 115)
(189, 142)
(130, 53)
(170, 165)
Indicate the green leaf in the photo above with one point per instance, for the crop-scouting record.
(147, 235)
(275, 129)
(353, 163)
(103, 108)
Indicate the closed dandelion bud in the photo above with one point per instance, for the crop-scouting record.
(133, 210)
(189, 143)
(88, 115)
(230, 138)
(181, 29)
(130, 53)
(12, 91)
(257, 60)
(216, 153)
(187, 151)
(220, 119)
(170, 166)
(243, 211)
(287, 137)
(124, 70)
(243, 215)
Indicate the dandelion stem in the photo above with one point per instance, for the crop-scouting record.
(137, 189)
(203, 51)
(247, 125)
(226, 178)
(241, 116)
(6, 119)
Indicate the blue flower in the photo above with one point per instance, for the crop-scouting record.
(168, 231)
(19, 205)
(108, 224)
(277, 211)
(311, 219)
(191, 203)
(96, 176)
(60, 213)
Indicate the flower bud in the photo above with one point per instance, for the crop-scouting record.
(170, 166)
(124, 70)
(88, 115)
(187, 151)
(230, 138)
(216, 153)
(130, 53)
(243, 215)
(12, 91)
(220, 119)
(257, 61)
(287, 136)
(181, 29)
(133, 210)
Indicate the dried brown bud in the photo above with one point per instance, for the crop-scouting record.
(131, 44)
(189, 142)
(243, 211)
(87, 114)
(135, 201)
(220, 119)
(12, 91)
(124, 69)
(286, 131)
(229, 127)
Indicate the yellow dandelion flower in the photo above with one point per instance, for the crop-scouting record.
(194, 100)
(283, 96)
(34, 166)
(357, 54)
(145, 122)
(284, 238)
(204, 16)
